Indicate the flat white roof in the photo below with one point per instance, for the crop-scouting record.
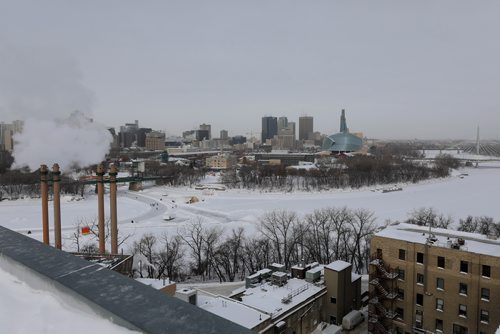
(474, 243)
(155, 283)
(338, 265)
(354, 277)
(315, 269)
(279, 274)
(267, 297)
(231, 310)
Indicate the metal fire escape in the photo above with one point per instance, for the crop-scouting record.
(383, 293)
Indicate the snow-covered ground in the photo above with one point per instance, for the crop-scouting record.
(460, 195)
(476, 194)
(27, 310)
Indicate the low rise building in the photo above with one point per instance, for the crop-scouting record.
(155, 141)
(277, 302)
(220, 161)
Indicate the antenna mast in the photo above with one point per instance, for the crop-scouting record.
(477, 141)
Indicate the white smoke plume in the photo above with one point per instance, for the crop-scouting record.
(69, 142)
(43, 87)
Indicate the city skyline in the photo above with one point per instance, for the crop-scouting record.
(400, 70)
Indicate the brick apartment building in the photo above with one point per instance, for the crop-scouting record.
(439, 282)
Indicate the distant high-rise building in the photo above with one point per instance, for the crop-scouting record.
(202, 135)
(141, 136)
(155, 141)
(305, 127)
(238, 140)
(291, 126)
(207, 127)
(269, 128)
(224, 134)
(282, 123)
(286, 137)
(128, 134)
(7, 131)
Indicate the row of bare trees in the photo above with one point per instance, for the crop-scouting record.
(19, 183)
(174, 175)
(428, 216)
(209, 252)
(351, 172)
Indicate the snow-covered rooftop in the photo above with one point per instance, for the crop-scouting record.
(315, 269)
(47, 311)
(475, 243)
(354, 277)
(155, 283)
(268, 298)
(231, 310)
(338, 265)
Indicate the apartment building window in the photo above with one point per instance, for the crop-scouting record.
(464, 266)
(402, 254)
(333, 300)
(462, 288)
(401, 274)
(439, 304)
(485, 316)
(401, 294)
(400, 313)
(333, 320)
(420, 299)
(420, 278)
(418, 318)
(486, 271)
(439, 325)
(420, 258)
(440, 283)
(462, 310)
(485, 294)
(457, 329)
(440, 263)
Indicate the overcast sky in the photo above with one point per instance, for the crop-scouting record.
(401, 69)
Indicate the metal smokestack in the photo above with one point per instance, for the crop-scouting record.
(44, 190)
(112, 208)
(100, 204)
(57, 205)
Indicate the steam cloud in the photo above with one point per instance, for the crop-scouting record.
(43, 87)
(72, 141)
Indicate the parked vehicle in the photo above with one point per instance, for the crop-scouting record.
(352, 319)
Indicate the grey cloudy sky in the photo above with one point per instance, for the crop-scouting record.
(401, 69)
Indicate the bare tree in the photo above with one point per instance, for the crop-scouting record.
(170, 257)
(279, 226)
(363, 227)
(257, 253)
(146, 247)
(429, 217)
(203, 243)
(92, 223)
(227, 257)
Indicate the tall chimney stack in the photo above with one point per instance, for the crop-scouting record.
(100, 203)
(112, 208)
(44, 190)
(57, 205)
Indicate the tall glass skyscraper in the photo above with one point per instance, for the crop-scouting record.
(269, 128)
